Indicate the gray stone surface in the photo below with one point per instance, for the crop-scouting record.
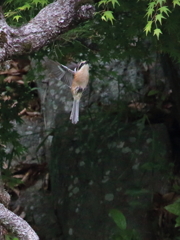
(122, 176)
(92, 172)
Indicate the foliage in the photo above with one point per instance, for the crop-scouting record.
(175, 209)
(162, 21)
(156, 12)
(18, 12)
(100, 40)
(106, 14)
(10, 237)
(10, 181)
(16, 97)
(123, 233)
(118, 218)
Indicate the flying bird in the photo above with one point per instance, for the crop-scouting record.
(76, 79)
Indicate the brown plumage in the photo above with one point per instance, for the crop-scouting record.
(77, 80)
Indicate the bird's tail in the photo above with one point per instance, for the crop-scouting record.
(75, 112)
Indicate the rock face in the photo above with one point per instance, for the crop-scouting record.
(121, 172)
(101, 163)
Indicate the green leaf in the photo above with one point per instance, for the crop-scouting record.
(103, 2)
(157, 32)
(108, 15)
(114, 2)
(150, 9)
(8, 1)
(9, 237)
(160, 2)
(176, 2)
(174, 208)
(151, 5)
(164, 9)
(17, 17)
(103, 18)
(177, 222)
(159, 18)
(118, 218)
(149, 12)
(41, 2)
(148, 27)
(9, 14)
(153, 92)
(25, 7)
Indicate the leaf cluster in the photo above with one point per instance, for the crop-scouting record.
(156, 12)
(175, 209)
(13, 99)
(106, 14)
(18, 12)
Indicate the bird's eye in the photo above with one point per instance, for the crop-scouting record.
(80, 65)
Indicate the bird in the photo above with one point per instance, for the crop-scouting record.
(77, 80)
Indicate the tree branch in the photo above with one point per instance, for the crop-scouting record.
(16, 225)
(53, 20)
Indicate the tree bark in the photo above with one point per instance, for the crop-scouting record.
(16, 225)
(53, 20)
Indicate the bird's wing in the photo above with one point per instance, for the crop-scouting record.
(68, 76)
(59, 71)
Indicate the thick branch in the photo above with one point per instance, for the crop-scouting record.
(53, 20)
(16, 225)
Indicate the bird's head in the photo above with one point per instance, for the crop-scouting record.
(81, 64)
